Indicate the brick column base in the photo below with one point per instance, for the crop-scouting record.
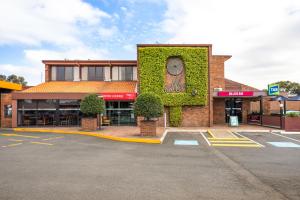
(148, 128)
(89, 124)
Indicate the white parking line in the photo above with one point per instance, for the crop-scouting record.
(205, 139)
(285, 137)
(249, 139)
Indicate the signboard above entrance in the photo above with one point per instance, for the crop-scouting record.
(235, 93)
(273, 89)
(118, 96)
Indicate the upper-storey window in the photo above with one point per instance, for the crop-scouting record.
(123, 73)
(64, 73)
(96, 73)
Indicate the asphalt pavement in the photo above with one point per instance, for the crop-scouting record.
(54, 166)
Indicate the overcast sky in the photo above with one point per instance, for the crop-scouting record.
(263, 36)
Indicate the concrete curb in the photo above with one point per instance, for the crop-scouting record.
(93, 134)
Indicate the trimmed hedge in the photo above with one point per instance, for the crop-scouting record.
(149, 106)
(152, 71)
(92, 105)
(175, 115)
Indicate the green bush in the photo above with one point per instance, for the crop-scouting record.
(152, 71)
(175, 115)
(293, 114)
(148, 105)
(92, 105)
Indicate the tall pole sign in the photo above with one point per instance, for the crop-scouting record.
(273, 89)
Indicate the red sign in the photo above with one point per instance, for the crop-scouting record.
(235, 93)
(118, 96)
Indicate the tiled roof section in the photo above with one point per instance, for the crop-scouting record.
(231, 85)
(10, 86)
(83, 87)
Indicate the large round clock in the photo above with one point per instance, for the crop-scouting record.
(174, 66)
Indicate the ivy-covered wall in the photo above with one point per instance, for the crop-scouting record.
(152, 70)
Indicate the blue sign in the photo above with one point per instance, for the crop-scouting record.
(273, 89)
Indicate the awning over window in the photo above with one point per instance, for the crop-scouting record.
(119, 90)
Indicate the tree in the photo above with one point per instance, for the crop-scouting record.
(92, 105)
(14, 79)
(149, 106)
(289, 87)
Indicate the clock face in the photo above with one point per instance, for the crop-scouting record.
(174, 66)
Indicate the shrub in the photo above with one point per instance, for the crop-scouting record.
(92, 105)
(148, 105)
(293, 114)
(175, 115)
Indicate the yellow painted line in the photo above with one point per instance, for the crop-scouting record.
(43, 143)
(18, 135)
(230, 132)
(13, 145)
(14, 140)
(98, 135)
(237, 139)
(52, 138)
(250, 142)
(235, 145)
(250, 139)
(212, 135)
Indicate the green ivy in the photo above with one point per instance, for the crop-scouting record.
(175, 115)
(152, 70)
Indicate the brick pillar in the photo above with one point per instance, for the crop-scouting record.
(14, 114)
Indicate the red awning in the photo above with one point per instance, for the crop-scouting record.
(119, 96)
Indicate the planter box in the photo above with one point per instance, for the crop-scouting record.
(89, 124)
(292, 124)
(148, 128)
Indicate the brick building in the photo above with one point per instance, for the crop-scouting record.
(188, 77)
(5, 102)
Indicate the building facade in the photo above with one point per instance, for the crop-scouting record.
(189, 79)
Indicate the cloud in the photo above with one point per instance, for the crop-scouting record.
(46, 29)
(262, 36)
(28, 72)
(32, 22)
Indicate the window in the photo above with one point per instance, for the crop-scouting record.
(7, 111)
(95, 73)
(125, 74)
(64, 73)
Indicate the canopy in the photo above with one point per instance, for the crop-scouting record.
(295, 98)
(279, 98)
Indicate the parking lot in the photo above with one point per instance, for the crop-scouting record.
(55, 166)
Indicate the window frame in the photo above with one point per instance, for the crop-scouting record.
(93, 76)
(64, 77)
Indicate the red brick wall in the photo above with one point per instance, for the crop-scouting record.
(219, 111)
(245, 109)
(5, 100)
(194, 116)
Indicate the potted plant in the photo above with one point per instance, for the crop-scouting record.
(292, 121)
(91, 106)
(149, 106)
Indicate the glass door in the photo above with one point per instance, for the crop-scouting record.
(233, 107)
(120, 113)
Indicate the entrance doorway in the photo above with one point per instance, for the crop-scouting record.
(120, 113)
(233, 107)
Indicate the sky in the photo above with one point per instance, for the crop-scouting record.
(263, 36)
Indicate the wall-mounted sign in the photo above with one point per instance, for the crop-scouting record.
(273, 89)
(235, 93)
(118, 96)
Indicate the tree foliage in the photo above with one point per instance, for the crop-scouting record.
(92, 105)
(148, 105)
(289, 87)
(14, 79)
